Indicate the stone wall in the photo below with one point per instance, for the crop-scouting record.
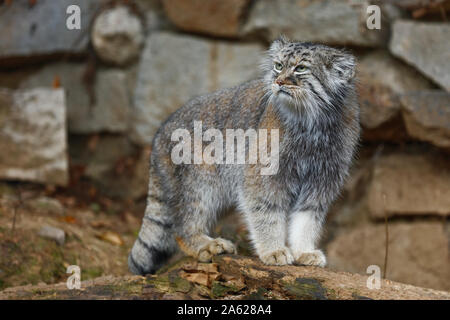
(95, 97)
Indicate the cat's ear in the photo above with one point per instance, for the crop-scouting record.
(345, 66)
(342, 65)
(279, 43)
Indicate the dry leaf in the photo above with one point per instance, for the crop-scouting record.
(130, 218)
(208, 267)
(50, 189)
(190, 267)
(107, 203)
(70, 201)
(201, 273)
(98, 224)
(92, 191)
(199, 278)
(69, 219)
(230, 280)
(237, 283)
(214, 276)
(201, 267)
(228, 277)
(111, 237)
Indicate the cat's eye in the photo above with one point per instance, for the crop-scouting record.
(300, 68)
(278, 67)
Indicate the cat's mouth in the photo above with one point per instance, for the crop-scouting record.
(282, 90)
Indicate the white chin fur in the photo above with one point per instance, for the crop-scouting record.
(285, 99)
(275, 88)
(280, 97)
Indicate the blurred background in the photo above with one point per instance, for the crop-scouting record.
(81, 98)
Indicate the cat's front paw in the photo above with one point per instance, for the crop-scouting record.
(215, 247)
(313, 258)
(278, 257)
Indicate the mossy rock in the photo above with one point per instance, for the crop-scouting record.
(169, 283)
(259, 294)
(306, 289)
(91, 273)
(175, 265)
(220, 289)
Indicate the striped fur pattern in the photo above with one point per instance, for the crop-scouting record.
(308, 93)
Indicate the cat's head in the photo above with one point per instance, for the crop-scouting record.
(309, 77)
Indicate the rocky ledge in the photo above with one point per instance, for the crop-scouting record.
(229, 277)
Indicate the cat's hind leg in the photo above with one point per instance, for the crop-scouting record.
(197, 216)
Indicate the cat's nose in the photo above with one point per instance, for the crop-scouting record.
(280, 82)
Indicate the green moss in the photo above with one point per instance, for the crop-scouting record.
(121, 289)
(12, 265)
(306, 289)
(332, 295)
(43, 293)
(160, 283)
(32, 278)
(91, 273)
(166, 283)
(52, 269)
(220, 289)
(95, 207)
(131, 288)
(181, 285)
(259, 294)
(134, 289)
(5, 189)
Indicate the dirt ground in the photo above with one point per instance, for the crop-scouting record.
(99, 233)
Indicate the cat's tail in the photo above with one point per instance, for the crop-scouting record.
(156, 242)
(153, 247)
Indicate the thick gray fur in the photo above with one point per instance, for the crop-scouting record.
(308, 93)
